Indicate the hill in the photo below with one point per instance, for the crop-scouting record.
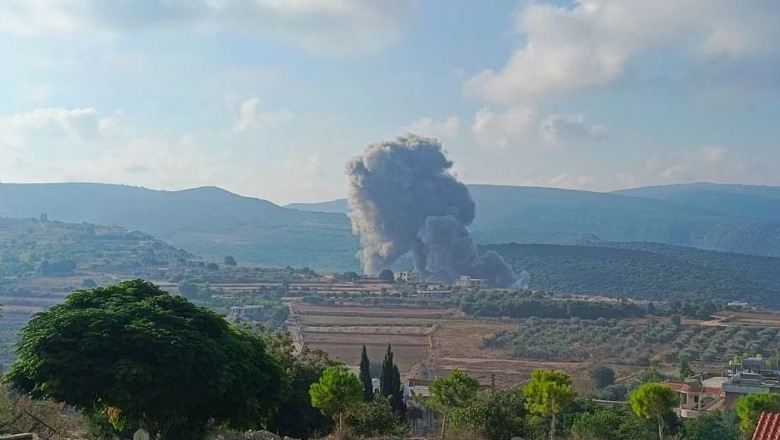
(213, 223)
(339, 206)
(755, 202)
(208, 221)
(30, 248)
(647, 271)
(557, 216)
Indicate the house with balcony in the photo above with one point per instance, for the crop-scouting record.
(698, 395)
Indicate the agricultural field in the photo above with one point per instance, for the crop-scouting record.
(744, 319)
(427, 342)
(634, 342)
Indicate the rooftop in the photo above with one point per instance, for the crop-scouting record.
(768, 427)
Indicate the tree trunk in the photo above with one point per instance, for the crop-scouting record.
(443, 424)
(552, 427)
(660, 427)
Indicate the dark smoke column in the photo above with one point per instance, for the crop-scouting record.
(403, 198)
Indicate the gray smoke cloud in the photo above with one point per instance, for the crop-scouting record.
(403, 198)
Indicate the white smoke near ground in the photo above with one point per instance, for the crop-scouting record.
(403, 198)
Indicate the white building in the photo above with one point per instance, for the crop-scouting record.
(247, 313)
(408, 276)
(466, 282)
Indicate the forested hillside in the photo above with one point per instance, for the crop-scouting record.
(648, 271)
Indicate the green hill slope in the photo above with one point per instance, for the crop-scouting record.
(648, 271)
(207, 221)
(30, 248)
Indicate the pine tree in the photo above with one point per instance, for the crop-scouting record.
(386, 381)
(365, 376)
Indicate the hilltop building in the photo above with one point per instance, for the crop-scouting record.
(410, 276)
(247, 313)
(466, 282)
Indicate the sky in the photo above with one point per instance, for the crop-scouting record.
(270, 98)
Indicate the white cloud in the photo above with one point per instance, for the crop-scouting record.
(501, 130)
(596, 42)
(252, 118)
(315, 25)
(555, 127)
(523, 126)
(443, 129)
(54, 125)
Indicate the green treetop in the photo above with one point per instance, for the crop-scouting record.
(137, 353)
(337, 393)
(750, 407)
(548, 393)
(653, 401)
(450, 393)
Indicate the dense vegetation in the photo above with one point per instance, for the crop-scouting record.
(625, 341)
(525, 304)
(33, 247)
(134, 352)
(647, 271)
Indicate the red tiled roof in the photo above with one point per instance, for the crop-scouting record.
(768, 427)
(685, 388)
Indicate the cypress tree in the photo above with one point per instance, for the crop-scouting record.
(386, 381)
(398, 393)
(365, 376)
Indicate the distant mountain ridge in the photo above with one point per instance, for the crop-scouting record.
(212, 222)
(748, 201)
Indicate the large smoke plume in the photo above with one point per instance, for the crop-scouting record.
(403, 198)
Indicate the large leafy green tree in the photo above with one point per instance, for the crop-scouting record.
(337, 393)
(295, 416)
(493, 414)
(548, 393)
(365, 376)
(599, 425)
(387, 276)
(602, 376)
(750, 407)
(375, 419)
(450, 393)
(653, 401)
(711, 426)
(137, 353)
